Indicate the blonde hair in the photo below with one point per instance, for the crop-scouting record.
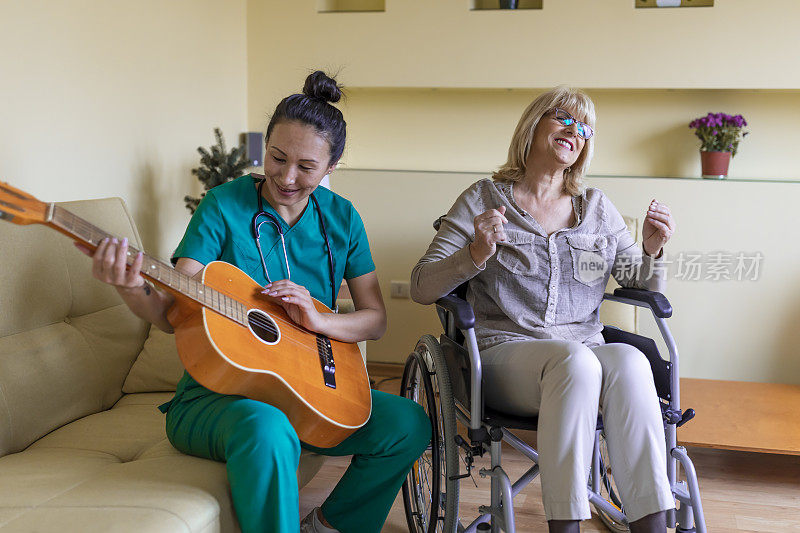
(574, 100)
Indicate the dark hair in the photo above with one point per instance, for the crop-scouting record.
(312, 108)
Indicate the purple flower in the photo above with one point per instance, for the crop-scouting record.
(718, 120)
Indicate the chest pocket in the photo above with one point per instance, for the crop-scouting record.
(246, 259)
(518, 253)
(590, 261)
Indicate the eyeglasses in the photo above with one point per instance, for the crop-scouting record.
(584, 130)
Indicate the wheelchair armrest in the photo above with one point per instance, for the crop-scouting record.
(462, 312)
(655, 300)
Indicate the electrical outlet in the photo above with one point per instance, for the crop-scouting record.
(400, 289)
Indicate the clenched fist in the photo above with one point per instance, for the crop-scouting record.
(488, 232)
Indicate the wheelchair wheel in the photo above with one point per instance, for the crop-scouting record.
(608, 489)
(430, 498)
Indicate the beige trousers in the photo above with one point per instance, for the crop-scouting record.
(565, 382)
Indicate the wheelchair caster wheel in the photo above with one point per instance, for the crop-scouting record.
(690, 530)
(484, 526)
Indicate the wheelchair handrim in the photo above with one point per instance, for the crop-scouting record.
(418, 478)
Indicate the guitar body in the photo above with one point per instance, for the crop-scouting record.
(229, 358)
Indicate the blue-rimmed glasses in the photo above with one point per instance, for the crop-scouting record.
(584, 130)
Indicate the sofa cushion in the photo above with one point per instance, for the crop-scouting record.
(157, 368)
(132, 427)
(57, 373)
(170, 493)
(116, 471)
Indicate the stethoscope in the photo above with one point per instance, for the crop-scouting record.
(274, 221)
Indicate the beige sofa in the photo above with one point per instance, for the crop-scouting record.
(82, 444)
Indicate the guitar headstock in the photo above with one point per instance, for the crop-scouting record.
(20, 207)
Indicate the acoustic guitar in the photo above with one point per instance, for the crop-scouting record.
(234, 340)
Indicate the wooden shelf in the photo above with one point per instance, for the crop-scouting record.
(740, 415)
(479, 175)
(351, 6)
(673, 3)
(696, 178)
(494, 5)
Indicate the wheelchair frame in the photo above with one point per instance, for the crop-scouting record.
(457, 317)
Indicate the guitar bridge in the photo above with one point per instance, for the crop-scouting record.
(326, 360)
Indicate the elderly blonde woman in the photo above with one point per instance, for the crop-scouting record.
(537, 249)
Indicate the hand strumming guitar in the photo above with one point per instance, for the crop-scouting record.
(296, 300)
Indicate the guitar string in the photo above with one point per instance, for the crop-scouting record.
(86, 225)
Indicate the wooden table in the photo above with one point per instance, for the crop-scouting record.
(739, 415)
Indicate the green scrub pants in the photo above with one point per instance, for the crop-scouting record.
(262, 453)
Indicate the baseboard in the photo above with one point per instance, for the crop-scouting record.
(385, 369)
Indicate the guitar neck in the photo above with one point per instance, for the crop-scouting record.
(155, 270)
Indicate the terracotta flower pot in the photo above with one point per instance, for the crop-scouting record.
(715, 164)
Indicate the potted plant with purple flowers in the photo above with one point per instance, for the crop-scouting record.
(720, 134)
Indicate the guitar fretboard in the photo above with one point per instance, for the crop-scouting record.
(157, 271)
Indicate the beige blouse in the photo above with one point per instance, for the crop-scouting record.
(535, 286)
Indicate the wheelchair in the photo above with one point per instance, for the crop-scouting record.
(445, 379)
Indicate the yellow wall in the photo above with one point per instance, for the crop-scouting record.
(103, 99)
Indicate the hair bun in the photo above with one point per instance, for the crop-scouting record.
(320, 86)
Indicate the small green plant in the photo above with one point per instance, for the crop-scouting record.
(217, 166)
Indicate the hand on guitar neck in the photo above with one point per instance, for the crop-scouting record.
(109, 265)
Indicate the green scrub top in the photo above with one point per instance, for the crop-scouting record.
(222, 229)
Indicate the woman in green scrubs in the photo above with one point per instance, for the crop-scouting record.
(304, 141)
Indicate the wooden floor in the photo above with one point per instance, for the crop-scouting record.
(741, 491)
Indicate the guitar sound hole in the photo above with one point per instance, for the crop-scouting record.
(263, 326)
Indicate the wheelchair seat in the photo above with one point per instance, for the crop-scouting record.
(494, 418)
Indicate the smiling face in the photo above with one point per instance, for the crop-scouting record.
(296, 160)
(555, 144)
